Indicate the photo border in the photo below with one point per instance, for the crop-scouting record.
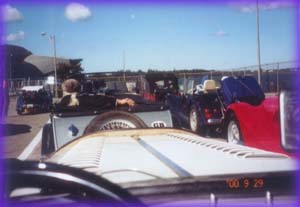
(145, 2)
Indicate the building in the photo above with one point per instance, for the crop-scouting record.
(20, 63)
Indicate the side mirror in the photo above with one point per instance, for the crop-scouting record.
(289, 121)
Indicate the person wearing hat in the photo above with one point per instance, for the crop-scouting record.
(71, 97)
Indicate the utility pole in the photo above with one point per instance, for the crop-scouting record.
(10, 66)
(277, 78)
(53, 41)
(54, 62)
(259, 72)
(124, 62)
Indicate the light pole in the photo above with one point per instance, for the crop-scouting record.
(124, 62)
(10, 82)
(52, 39)
(10, 66)
(258, 44)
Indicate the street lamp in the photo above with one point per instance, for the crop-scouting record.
(258, 44)
(124, 62)
(52, 39)
(10, 66)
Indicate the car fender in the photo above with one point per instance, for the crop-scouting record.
(259, 124)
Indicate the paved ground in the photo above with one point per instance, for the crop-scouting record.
(19, 131)
(22, 134)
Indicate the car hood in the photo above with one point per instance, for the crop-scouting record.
(241, 89)
(149, 154)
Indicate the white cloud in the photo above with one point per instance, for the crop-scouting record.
(277, 5)
(220, 33)
(245, 7)
(15, 36)
(76, 12)
(11, 14)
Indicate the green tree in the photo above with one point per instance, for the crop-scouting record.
(67, 70)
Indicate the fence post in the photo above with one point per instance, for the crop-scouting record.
(277, 78)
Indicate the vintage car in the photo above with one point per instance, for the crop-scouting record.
(152, 167)
(113, 87)
(199, 108)
(68, 123)
(258, 121)
(33, 99)
(239, 112)
(156, 86)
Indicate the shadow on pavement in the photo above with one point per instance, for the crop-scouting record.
(14, 129)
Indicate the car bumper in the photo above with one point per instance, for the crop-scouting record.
(214, 121)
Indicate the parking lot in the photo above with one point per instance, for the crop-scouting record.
(22, 133)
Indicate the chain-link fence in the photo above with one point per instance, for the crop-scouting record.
(274, 76)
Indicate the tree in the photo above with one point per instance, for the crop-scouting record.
(67, 70)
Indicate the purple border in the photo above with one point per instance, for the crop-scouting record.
(1, 107)
(146, 2)
(297, 85)
(158, 2)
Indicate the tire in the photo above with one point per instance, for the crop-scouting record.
(47, 140)
(234, 133)
(114, 120)
(194, 121)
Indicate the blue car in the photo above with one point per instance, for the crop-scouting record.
(33, 99)
(200, 108)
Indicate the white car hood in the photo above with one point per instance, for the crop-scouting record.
(139, 155)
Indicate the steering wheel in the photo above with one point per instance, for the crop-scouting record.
(53, 183)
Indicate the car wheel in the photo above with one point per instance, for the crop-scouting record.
(234, 133)
(194, 120)
(114, 120)
(47, 140)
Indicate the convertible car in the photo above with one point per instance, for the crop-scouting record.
(152, 167)
(68, 123)
(33, 99)
(240, 112)
(199, 108)
(258, 121)
(156, 86)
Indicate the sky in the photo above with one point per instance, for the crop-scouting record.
(110, 36)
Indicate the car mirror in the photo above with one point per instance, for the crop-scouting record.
(289, 119)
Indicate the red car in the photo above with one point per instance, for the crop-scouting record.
(258, 121)
(156, 86)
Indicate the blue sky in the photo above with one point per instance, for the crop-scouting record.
(156, 36)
